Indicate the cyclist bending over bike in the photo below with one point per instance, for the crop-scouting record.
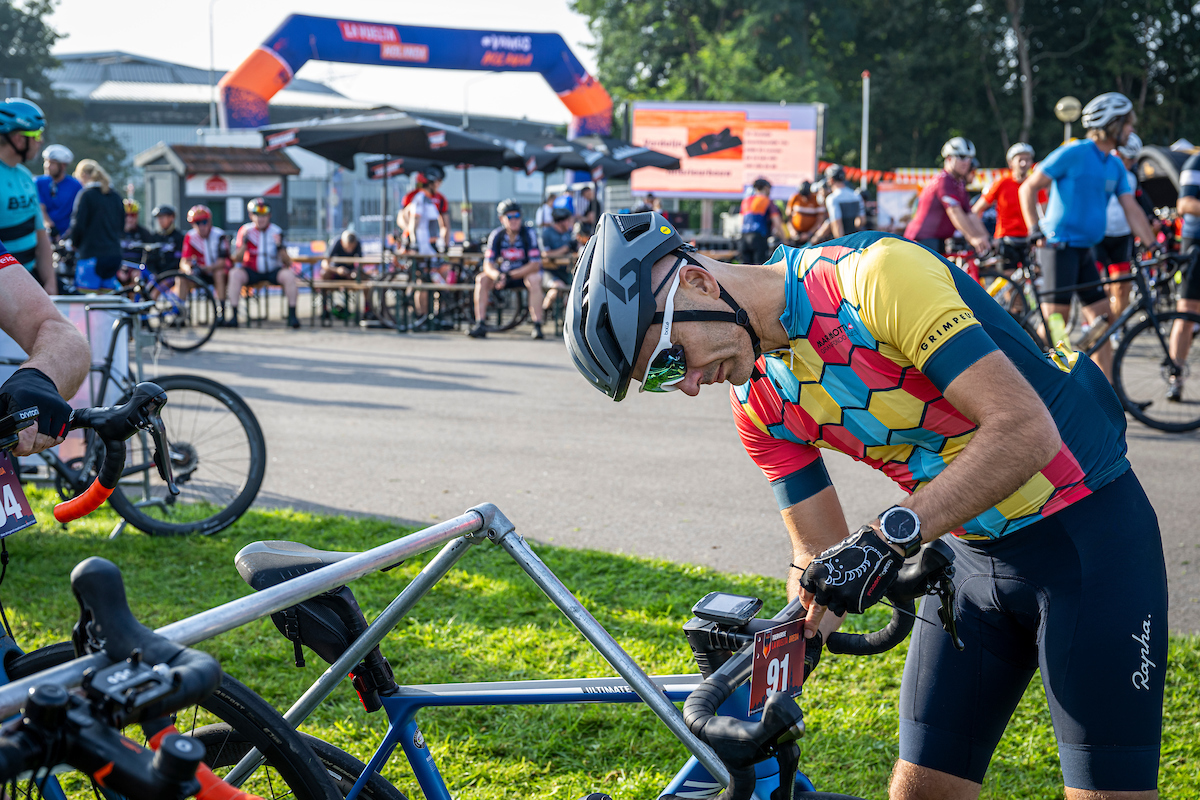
(59, 357)
(882, 350)
(1082, 175)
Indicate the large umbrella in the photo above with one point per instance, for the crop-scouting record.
(405, 165)
(546, 154)
(622, 150)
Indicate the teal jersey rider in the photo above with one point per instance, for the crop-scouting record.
(20, 214)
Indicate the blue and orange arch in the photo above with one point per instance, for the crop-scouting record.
(245, 92)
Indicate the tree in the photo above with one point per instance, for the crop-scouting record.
(25, 56)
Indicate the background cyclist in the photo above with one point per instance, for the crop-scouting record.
(22, 232)
(944, 207)
(1082, 175)
(844, 206)
(1189, 297)
(881, 350)
(57, 189)
(205, 253)
(171, 238)
(1011, 231)
(96, 226)
(259, 256)
(1115, 250)
(512, 257)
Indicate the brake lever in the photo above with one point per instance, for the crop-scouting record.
(946, 611)
(12, 425)
(162, 447)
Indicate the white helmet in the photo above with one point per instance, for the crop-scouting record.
(58, 152)
(1017, 149)
(958, 146)
(1105, 108)
(1132, 146)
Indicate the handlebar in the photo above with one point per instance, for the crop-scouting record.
(113, 425)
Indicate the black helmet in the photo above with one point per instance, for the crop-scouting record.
(761, 183)
(612, 303)
(559, 214)
(507, 207)
(165, 208)
(434, 173)
(805, 189)
(834, 172)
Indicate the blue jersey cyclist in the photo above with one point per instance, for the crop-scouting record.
(57, 189)
(511, 258)
(21, 229)
(1082, 175)
(874, 346)
(1189, 297)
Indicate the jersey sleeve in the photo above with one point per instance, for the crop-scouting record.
(993, 190)
(1189, 178)
(1124, 184)
(1057, 163)
(6, 258)
(833, 209)
(909, 300)
(796, 471)
(492, 251)
(532, 251)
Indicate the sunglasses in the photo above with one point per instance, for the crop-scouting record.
(34, 135)
(513, 215)
(668, 366)
(203, 221)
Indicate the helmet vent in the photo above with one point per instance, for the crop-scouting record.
(636, 231)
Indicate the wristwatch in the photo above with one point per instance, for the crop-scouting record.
(902, 527)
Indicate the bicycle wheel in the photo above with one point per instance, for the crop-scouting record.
(1142, 373)
(291, 769)
(342, 767)
(218, 456)
(184, 314)
(509, 307)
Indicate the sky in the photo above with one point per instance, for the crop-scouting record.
(177, 31)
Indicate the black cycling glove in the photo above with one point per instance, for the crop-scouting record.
(32, 388)
(853, 574)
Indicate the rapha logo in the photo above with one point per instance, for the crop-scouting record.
(1141, 676)
(498, 41)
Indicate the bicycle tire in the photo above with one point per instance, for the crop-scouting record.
(290, 761)
(501, 302)
(343, 768)
(195, 326)
(1140, 376)
(219, 457)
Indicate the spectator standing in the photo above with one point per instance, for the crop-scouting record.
(802, 215)
(22, 231)
(590, 207)
(511, 257)
(169, 236)
(1011, 230)
(1189, 296)
(259, 256)
(57, 189)
(205, 252)
(943, 206)
(761, 219)
(544, 217)
(843, 205)
(557, 241)
(133, 234)
(96, 229)
(426, 223)
(1081, 176)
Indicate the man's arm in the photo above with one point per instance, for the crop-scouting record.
(981, 205)
(45, 263)
(1137, 220)
(1028, 196)
(814, 525)
(49, 223)
(1188, 205)
(971, 227)
(525, 270)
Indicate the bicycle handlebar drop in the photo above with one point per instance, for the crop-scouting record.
(113, 425)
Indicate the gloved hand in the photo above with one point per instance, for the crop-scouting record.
(32, 388)
(854, 574)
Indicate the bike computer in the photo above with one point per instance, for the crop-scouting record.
(726, 608)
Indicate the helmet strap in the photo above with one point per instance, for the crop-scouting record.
(738, 316)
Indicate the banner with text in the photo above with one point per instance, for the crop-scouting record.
(724, 147)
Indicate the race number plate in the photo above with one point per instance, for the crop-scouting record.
(15, 514)
(778, 663)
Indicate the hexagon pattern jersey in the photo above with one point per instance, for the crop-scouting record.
(879, 327)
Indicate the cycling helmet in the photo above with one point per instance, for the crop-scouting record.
(131, 206)
(199, 213)
(612, 303)
(834, 172)
(805, 189)
(59, 153)
(959, 147)
(19, 114)
(165, 208)
(559, 214)
(819, 186)
(1105, 108)
(1020, 148)
(434, 173)
(761, 183)
(507, 207)
(1132, 146)
(258, 206)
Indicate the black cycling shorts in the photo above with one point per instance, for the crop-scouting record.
(253, 276)
(1114, 253)
(1080, 595)
(1191, 276)
(1068, 266)
(1015, 252)
(752, 248)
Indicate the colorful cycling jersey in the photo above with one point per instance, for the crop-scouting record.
(439, 200)
(1189, 186)
(6, 259)
(803, 221)
(20, 215)
(931, 220)
(58, 198)
(757, 212)
(204, 252)
(508, 255)
(1004, 195)
(1083, 180)
(879, 327)
(262, 247)
(132, 241)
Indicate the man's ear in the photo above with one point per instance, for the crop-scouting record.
(698, 281)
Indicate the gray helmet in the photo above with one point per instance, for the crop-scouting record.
(1104, 108)
(1132, 146)
(1020, 148)
(612, 303)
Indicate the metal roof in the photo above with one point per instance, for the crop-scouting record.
(137, 92)
(188, 159)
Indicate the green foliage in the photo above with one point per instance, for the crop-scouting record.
(25, 55)
(938, 68)
(487, 621)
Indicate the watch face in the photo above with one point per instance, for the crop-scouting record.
(900, 525)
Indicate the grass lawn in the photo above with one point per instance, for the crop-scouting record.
(487, 621)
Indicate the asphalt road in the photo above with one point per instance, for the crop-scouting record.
(420, 427)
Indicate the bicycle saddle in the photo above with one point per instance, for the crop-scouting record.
(265, 564)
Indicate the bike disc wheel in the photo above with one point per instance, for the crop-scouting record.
(185, 313)
(1142, 375)
(291, 769)
(218, 455)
